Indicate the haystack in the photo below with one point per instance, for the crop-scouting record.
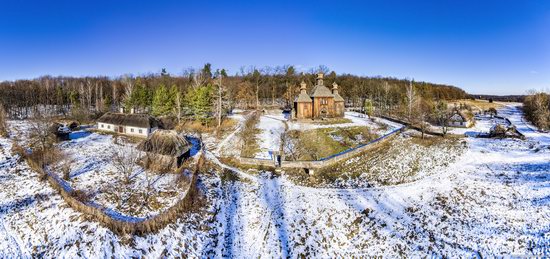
(165, 150)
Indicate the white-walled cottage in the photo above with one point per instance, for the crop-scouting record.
(460, 119)
(140, 125)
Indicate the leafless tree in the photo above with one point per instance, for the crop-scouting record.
(411, 100)
(178, 106)
(3, 122)
(219, 101)
(124, 161)
(198, 79)
(128, 82)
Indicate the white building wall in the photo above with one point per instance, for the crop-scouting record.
(128, 130)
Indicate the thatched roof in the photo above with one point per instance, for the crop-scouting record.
(165, 142)
(129, 119)
(460, 116)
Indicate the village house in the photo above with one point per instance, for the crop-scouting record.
(132, 124)
(321, 103)
(460, 119)
(165, 150)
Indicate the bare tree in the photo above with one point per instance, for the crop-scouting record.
(219, 102)
(124, 162)
(178, 100)
(198, 79)
(422, 115)
(411, 101)
(441, 115)
(128, 87)
(3, 123)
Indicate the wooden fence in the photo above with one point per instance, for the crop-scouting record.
(323, 162)
(100, 214)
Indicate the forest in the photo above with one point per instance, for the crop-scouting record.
(204, 93)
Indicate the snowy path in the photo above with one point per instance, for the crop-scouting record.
(231, 136)
(514, 114)
(270, 136)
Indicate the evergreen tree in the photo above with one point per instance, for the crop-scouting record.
(369, 108)
(200, 102)
(161, 101)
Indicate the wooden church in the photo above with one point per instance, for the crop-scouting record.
(320, 103)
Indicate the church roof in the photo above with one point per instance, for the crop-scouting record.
(338, 98)
(321, 91)
(303, 98)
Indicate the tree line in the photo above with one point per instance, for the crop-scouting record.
(202, 93)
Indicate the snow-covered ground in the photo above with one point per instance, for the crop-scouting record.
(493, 200)
(402, 159)
(483, 124)
(36, 222)
(270, 137)
(92, 169)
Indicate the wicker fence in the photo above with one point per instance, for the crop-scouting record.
(138, 226)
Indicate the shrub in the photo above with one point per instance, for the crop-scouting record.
(248, 135)
(537, 109)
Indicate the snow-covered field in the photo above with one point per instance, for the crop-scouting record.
(492, 200)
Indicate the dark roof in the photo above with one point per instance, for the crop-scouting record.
(321, 91)
(129, 119)
(165, 142)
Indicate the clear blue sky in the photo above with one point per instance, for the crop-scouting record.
(500, 47)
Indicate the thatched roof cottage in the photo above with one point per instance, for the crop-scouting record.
(460, 119)
(141, 125)
(165, 149)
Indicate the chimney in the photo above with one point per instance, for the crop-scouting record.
(303, 88)
(320, 78)
(334, 88)
(133, 110)
(121, 109)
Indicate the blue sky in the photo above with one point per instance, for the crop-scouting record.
(497, 47)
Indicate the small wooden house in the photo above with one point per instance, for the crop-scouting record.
(460, 119)
(165, 150)
(132, 124)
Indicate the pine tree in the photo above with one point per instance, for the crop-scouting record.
(200, 102)
(369, 108)
(161, 101)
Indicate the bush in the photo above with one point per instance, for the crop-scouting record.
(537, 109)
(248, 135)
